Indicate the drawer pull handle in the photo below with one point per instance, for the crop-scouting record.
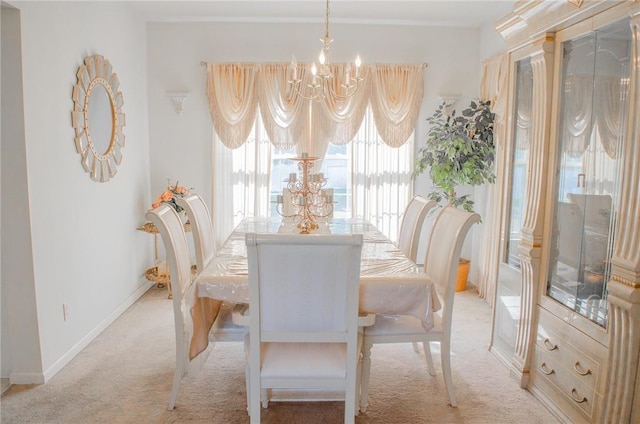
(545, 370)
(549, 346)
(576, 398)
(580, 369)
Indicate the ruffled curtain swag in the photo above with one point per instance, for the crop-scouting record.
(234, 92)
(231, 90)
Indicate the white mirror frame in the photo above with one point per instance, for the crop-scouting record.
(95, 71)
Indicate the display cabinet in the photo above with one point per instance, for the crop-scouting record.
(571, 255)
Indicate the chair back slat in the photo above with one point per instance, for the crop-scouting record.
(171, 230)
(201, 228)
(447, 237)
(411, 226)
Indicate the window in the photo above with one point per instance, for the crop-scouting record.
(370, 179)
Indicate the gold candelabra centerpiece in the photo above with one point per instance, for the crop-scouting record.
(308, 198)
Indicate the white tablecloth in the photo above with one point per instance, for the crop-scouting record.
(390, 284)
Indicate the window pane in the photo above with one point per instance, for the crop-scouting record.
(335, 167)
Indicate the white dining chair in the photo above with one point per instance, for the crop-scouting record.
(190, 312)
(223, 329)
(448, 233)
(411, 226)
(304, 329)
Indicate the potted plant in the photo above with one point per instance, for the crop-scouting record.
(459, 152)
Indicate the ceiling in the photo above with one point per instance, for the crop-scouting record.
(465, 13)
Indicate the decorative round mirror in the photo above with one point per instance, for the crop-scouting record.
(98, 118)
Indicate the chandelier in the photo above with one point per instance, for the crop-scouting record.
(322, 84)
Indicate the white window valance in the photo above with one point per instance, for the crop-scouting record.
(236, 91)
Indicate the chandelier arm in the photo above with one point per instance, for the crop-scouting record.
(339, 96)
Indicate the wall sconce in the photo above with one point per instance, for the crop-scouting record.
(177, 97)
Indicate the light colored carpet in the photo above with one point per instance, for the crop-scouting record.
(125, 375)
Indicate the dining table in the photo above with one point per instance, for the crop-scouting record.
(390, 283)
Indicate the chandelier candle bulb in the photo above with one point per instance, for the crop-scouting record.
(292, 177)
(294, 68)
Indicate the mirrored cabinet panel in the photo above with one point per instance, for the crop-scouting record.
(593, 112)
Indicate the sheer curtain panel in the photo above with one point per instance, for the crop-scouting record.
(381, 178)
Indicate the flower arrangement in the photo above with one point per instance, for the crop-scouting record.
(170, 194)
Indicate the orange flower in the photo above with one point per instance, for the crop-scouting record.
(166, 196)
(169, 195)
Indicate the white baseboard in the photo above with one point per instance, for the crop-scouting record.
(4, 382)
(26, 378)
(42, 378)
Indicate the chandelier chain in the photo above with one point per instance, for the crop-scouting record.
(326, 22)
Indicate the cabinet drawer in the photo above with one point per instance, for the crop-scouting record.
(564, 388)
(581, 357)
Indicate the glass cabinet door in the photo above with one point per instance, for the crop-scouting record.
(507, 311)
(520, 158)
(595, 84)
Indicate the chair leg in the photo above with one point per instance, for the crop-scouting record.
(358, 382)
(264, 393)
(351, 397)
(177, 379)
(366, 372)
(445, 355)
(248, 387)
(174, 390)
(415, 347)
(254, 398)
(426, 346)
